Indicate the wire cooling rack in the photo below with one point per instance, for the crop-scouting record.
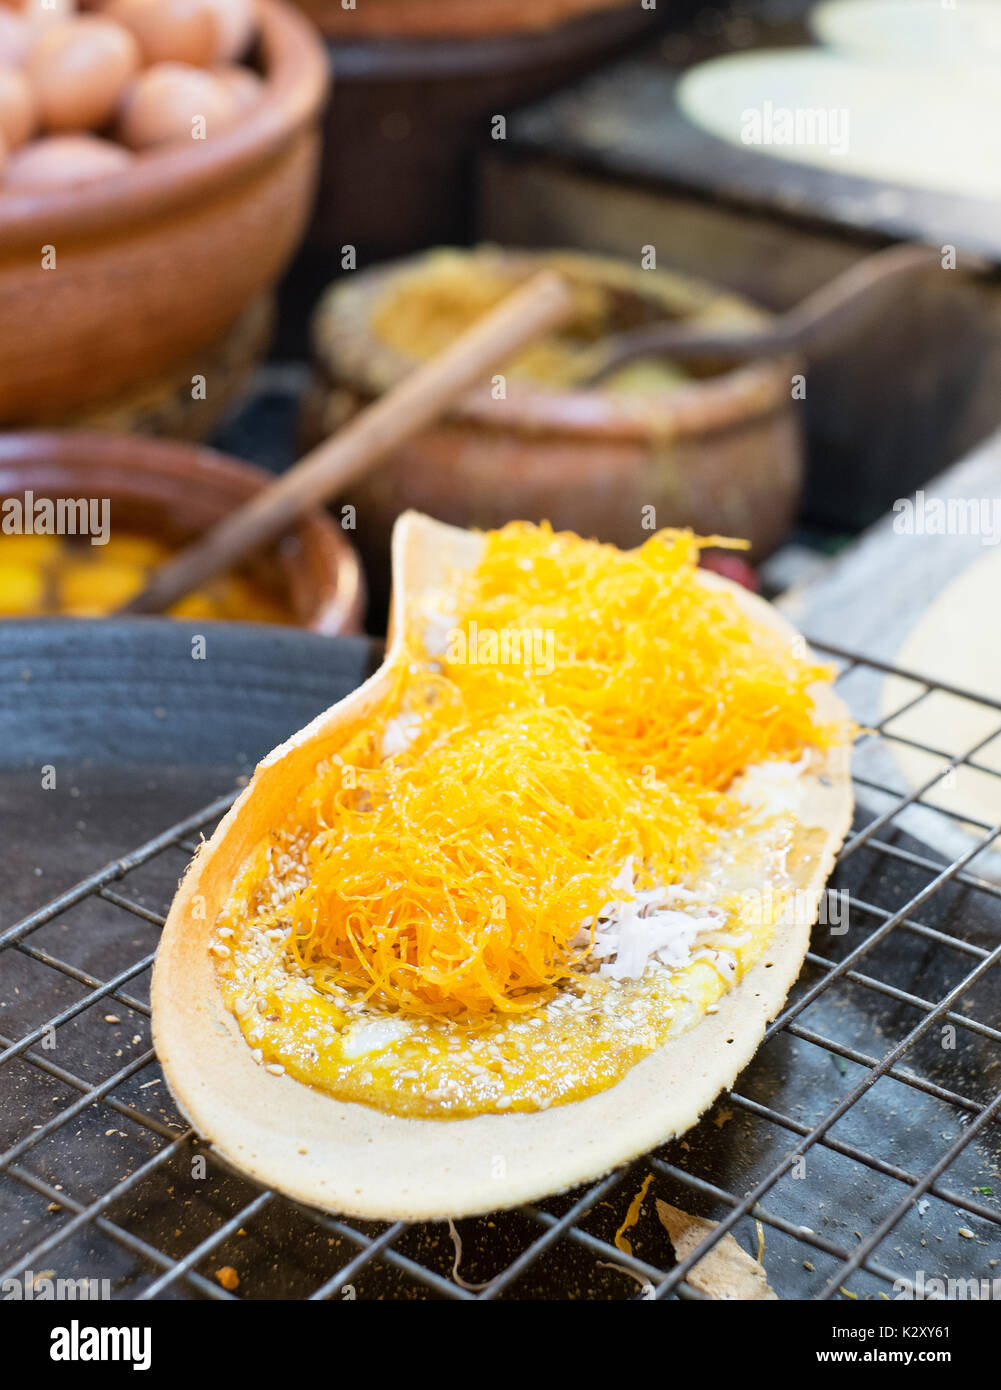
(860, 1147)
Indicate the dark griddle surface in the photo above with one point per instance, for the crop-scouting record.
(143, 740)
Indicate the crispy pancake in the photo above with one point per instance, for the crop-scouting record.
(353, 1158)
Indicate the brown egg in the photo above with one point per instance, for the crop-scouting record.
(245, 85)
(79, 69)
(174, 101)
(235, 26)
(170, 31)
(64, 159)
(16, 36)
(17, 107)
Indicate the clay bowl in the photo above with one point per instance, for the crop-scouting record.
(719, 452)
(176, 491)
(156, 263)
(448, 18)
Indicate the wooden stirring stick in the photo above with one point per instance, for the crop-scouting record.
(543, 303)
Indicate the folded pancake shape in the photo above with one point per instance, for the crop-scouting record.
(380, 1140)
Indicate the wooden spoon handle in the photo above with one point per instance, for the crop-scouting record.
(543, 303)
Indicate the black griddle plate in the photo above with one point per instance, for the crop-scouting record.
(140, 736)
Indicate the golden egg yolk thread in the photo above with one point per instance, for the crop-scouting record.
(459, 885)
(459, 876)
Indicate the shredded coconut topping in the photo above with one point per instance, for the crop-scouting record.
(643, 924)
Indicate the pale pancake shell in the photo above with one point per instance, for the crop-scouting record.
(348, 1158)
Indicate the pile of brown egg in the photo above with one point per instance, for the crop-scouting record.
(80, 92)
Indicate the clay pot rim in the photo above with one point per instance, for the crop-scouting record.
(449, 19)
(747, 391)
(295, 86)
(337, 611)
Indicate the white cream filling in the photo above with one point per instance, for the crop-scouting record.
(399, 734)
(439, 623)
(773, 787)
(647, 924)
(373, 1037)
(663, 923)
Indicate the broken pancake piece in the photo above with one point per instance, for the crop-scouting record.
(726, 1270)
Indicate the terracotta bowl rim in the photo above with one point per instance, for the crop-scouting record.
(451, 19)
(296, 80)
(70, 448)
(747, 391)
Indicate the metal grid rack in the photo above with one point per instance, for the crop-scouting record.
(879, 1082)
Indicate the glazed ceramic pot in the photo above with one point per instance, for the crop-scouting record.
(174, 492)
(153, 266)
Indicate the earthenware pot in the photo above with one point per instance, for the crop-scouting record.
(174, 492)
(156, 263)
(448, 18)
(719, 452)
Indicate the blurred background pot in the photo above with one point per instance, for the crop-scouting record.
(718, 451)
(162, 271)
(414, 102)
(172, 492)
(450, 18)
